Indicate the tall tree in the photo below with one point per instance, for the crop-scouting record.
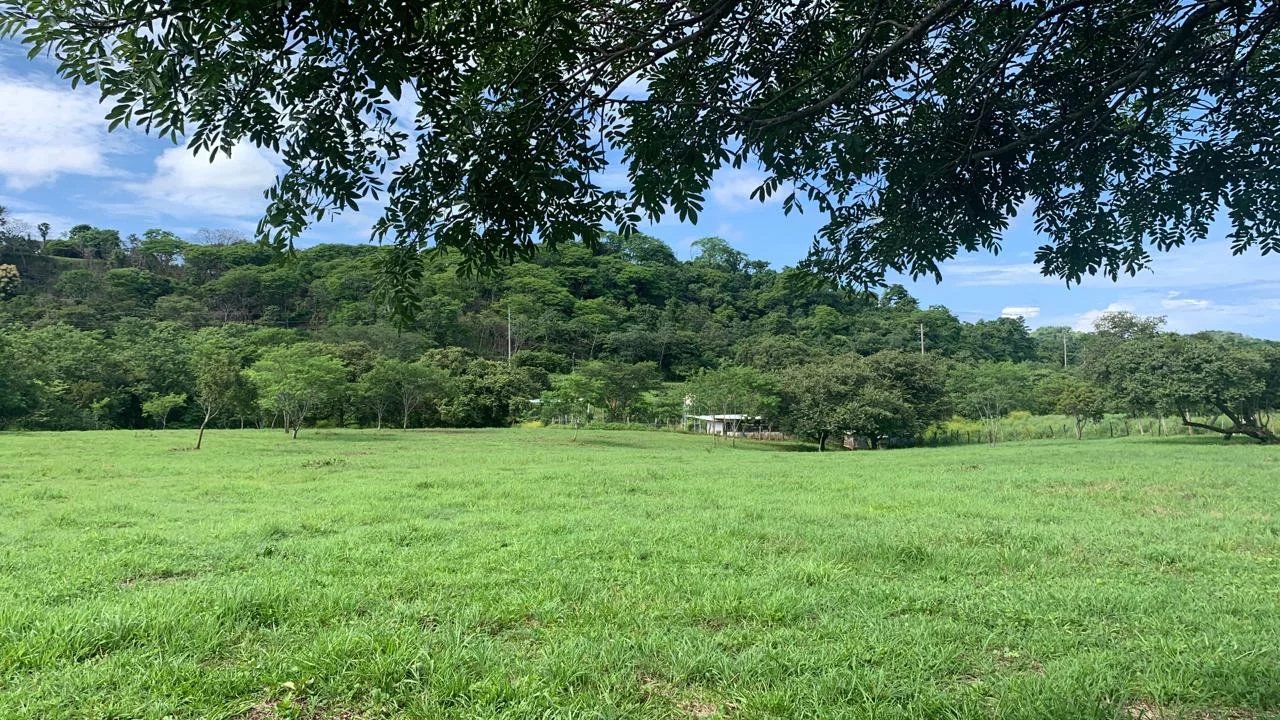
(891, 394)
(1074, 397)
(571, 395)
(621, 385)
(1227, 376)
(392, 382)
(220, 386)
(296, 379)
(918, 128)
(988, 391)
(819, 398)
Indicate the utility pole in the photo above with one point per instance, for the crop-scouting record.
(508, 333)
(922, 338)
(1064, 350)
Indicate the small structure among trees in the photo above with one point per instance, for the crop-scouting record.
(735, 424)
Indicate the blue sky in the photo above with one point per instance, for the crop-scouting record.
(59, 165)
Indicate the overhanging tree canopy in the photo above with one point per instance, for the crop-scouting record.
(917, 128)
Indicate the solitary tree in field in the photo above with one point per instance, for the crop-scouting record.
(1228, 376)
(296, 379)
(917, 128)
(914, 383)
(220, 386)
(1074, 397)
(889, 394)
(376, 389)
(820, 398)
(572, 394)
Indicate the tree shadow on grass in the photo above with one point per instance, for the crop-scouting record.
(791, 446)
(1200, 440)
(361, 436)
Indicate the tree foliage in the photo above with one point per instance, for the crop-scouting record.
(159, 407)
(295, 380)
(917, 128)
(619, 386)
(85, 343)
(1074, 397)
(988, 391)
(887, 395)
(1214, 373)
(735, 390)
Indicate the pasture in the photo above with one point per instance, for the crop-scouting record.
(529, 573)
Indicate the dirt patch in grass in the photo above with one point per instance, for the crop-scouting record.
(327, 462)
(297, 710)
(1018, 662)
(698, 708)
(691, 704)
(1143, 709)
(1100, 487)
(157, 578)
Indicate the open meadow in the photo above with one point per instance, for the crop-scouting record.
(532, 573)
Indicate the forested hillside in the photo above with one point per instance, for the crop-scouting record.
(100, 331)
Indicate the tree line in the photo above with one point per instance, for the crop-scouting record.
(103, 331)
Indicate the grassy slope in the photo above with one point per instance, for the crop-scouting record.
(639, 575)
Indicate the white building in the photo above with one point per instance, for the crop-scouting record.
(728, 424)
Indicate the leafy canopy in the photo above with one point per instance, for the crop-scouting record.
(917, 128)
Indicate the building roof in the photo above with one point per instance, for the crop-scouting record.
(727, 417)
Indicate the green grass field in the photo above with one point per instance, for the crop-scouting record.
(529, 574)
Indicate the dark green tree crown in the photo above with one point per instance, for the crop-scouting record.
(917, 129)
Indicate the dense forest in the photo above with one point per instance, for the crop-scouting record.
(103, 331)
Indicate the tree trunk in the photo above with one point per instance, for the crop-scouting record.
(295, 430)
(1247, 426)
(822, 441)
(1079, 428)
(203, 423)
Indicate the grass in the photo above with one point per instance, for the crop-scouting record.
(523, 574)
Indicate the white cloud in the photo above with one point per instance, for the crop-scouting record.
(634, 87)
(613, 178)
(1086, 320)
(966, 273)
(1027, 312)
(1253, 315)
(1174, 301)
(47, 131)
(731, 189)
(185, 185)
(34, 213)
